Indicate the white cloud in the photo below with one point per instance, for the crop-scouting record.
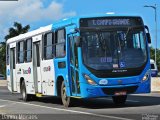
(30, 11)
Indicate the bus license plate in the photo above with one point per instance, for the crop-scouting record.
(120, 93)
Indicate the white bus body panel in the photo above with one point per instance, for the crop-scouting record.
(37, 38)
(48, 77)
(25, 70)
(13, 45)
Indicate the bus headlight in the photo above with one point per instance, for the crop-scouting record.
(146, 76)
(89, 80)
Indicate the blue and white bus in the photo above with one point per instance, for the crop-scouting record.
(81, 57)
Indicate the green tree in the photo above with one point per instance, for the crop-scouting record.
(3, 58)
(16, 30)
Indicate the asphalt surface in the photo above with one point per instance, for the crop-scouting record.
(137, 107)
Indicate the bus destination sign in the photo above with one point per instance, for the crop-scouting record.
(110, 21)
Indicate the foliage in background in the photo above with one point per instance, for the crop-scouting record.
(3, 58)
(16, 30)
(152, 55)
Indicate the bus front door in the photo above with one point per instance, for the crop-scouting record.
(36, 67)
(74, 68)
(13, 70)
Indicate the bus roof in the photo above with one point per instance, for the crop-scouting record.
(30, 34)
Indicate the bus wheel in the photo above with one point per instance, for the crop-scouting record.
(25, 96)
(119, 100)
(65, 100)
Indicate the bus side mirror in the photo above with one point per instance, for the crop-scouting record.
(148, 34)
(77, 40)
(148, 38)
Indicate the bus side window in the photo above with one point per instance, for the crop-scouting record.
(28, 50)
(21, 52)
(48, 45)
(60, 43)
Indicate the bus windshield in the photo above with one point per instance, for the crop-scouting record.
(119, 48)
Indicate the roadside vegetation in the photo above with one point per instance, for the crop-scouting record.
(17, 29)
(152, 55)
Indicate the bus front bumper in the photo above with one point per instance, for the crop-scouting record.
(90, 91)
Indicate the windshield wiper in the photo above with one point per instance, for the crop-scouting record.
(128, 31)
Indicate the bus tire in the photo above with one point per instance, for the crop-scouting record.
(65, 99)
(119, 100)
(26, 97)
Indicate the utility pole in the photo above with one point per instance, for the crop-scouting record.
(155, 9)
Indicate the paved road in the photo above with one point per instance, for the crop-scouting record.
(136, 108)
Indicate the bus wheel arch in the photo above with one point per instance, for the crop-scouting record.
(21, 81)
(61, 90)
(60, 79)
(26, 97)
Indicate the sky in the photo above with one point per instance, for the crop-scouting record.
(38, 13)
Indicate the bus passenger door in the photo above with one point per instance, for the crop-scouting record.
(13, 70)
(74, 68)
(37, 67)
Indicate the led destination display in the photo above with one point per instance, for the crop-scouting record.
(110, 21)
